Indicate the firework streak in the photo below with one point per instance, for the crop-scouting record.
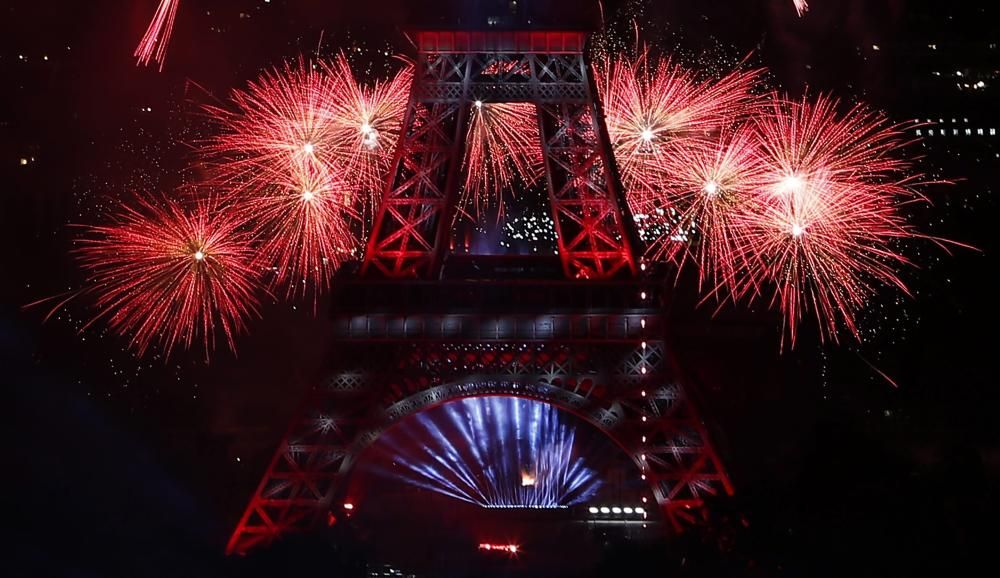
(153, 45)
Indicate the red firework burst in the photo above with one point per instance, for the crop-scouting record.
(655, 108)
(279, 156)
(709, 187)
(302, 223)
(153, 45)
(503, 144)
(823, 228)
(367, 121)
(167, 276)
(280, 121)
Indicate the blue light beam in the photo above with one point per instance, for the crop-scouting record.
(496, 452)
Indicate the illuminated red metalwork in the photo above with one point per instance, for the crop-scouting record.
(407, 338)
(546, 69)
(404, 346)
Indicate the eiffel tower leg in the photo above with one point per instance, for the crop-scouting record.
(297, 490)
(409, 235)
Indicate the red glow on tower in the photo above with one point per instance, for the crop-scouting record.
(553, 355)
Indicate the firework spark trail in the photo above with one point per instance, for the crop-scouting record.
(279, 121)
(503, 144)
(710, 187)
(655, 109)
(823, 228)
(801, 6)
(367, 122)
(302, 224)
(153, 45)
(165, 275)
(496, 452)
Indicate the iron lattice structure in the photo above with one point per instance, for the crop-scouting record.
(593, 343)
(548, 69)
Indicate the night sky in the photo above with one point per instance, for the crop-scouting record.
(125, 466)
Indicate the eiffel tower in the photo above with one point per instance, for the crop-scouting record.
(412, 330)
